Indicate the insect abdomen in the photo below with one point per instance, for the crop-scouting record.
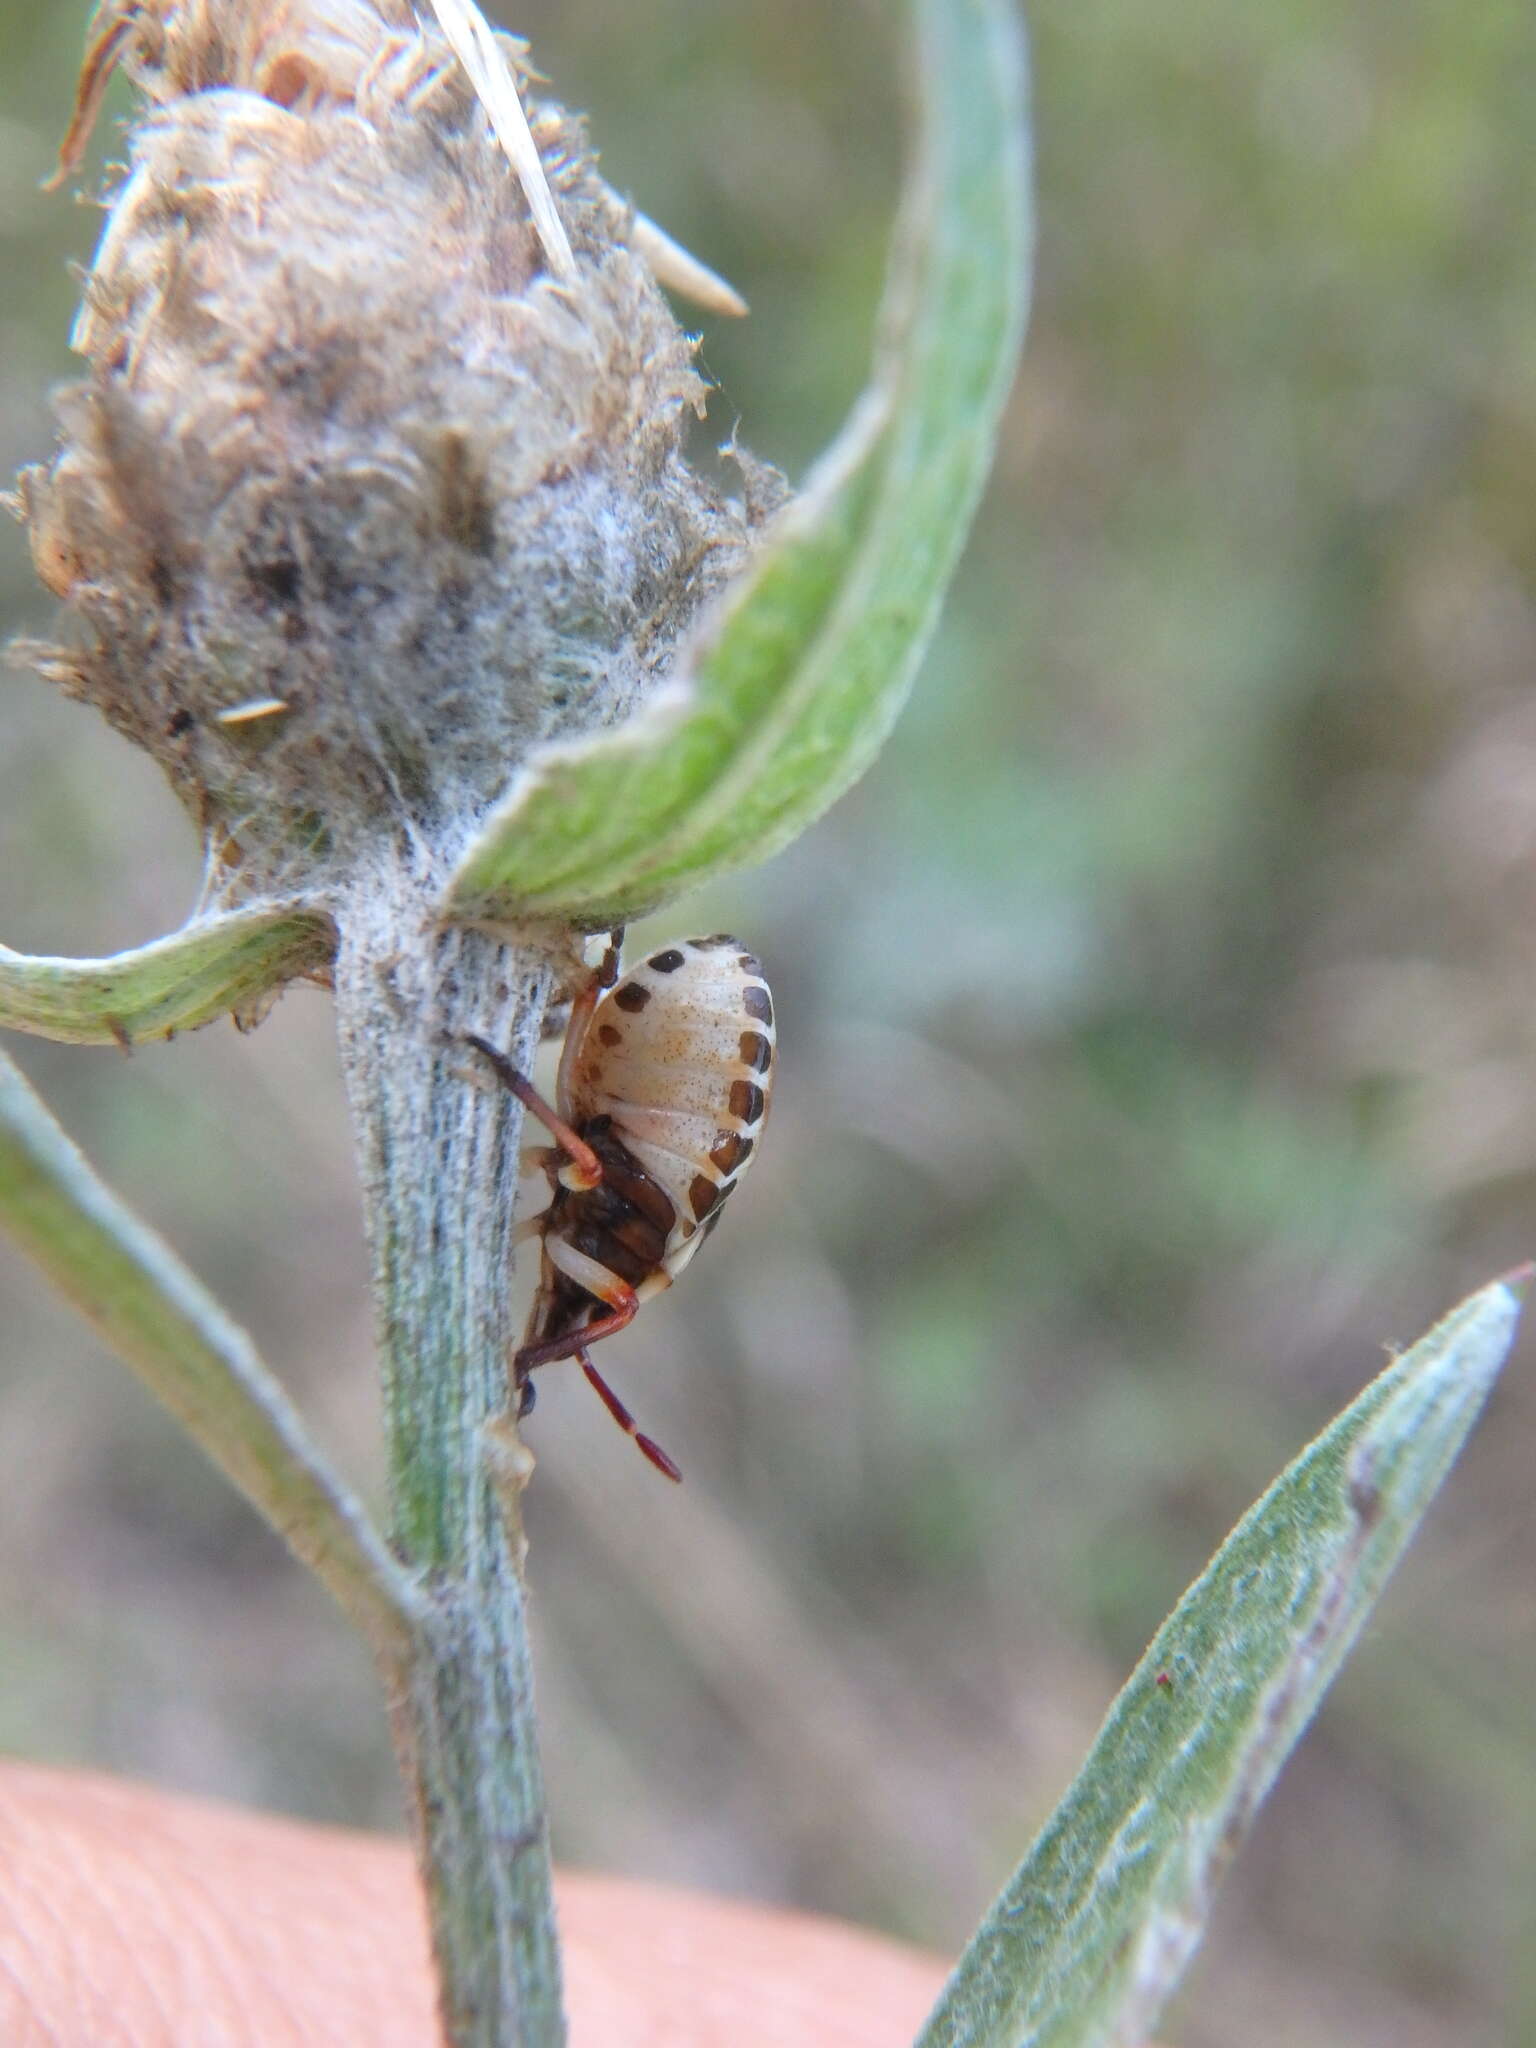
(679, 1057)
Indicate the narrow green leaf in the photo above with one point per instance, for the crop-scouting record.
(223, 963)
(141, 1300)
(1091, 1935)
(787, 693)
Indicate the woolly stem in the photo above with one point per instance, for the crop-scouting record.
(439, 1168)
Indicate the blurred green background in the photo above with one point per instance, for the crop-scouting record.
(1158, 1030)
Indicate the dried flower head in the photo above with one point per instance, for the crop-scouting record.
(377, 479)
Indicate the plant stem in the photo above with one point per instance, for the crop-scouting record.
(439, 1165)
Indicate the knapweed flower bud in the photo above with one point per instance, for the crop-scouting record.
(377, 479)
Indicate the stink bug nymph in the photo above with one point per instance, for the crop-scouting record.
(661, 1097)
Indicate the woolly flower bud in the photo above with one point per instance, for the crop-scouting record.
(377, 479)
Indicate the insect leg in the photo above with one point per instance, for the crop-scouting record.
(585, 1169)
(574, 1342)
(621, 1415)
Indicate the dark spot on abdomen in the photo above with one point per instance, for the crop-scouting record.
(730, 1152)
(746, 1101)
(756, 1052)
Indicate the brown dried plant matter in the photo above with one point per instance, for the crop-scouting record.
(367, 490)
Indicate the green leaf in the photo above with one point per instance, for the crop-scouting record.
(229, 962)
(142, 1301)
(787, 692)
(1090, 1937)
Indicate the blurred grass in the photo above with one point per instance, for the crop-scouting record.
(1158, 1024)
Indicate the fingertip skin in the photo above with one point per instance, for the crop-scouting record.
(133, 1918)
